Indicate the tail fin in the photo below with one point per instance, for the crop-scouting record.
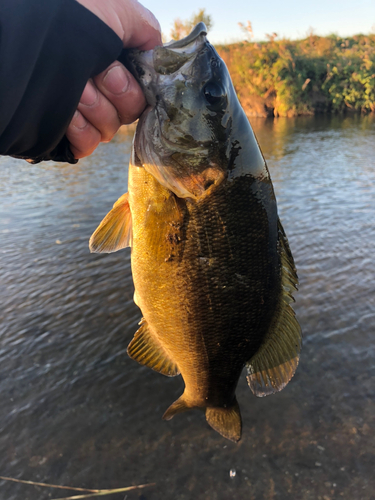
(226, 421)
(177, 407)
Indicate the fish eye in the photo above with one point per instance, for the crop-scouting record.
(213, 93)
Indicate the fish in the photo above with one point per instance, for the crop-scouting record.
(213, 273)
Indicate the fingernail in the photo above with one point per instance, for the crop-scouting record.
(90, 95)
(116, 80)
(78, 120)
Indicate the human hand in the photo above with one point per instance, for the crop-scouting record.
(113, 98)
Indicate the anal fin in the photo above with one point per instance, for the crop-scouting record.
(226, 421)
(115, 230)
(276, 361)
(146, 350)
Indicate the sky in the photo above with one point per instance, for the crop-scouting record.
(288, 18)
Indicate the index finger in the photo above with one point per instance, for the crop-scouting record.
(142, 28)
(130, 20)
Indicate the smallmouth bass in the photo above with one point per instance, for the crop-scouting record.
(211, 264)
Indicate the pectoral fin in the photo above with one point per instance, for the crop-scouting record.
(226, 421)
(146, 349)
(115, 230)
(276, 361)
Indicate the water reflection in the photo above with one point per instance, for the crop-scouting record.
(76, 410)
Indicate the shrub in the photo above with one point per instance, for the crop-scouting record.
(316, 74)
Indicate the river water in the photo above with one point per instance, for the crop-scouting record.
(75, 410)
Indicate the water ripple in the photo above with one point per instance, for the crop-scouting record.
(76, 410)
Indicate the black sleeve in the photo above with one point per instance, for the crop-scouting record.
(48, 51)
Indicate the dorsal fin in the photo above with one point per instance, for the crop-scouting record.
(115, 230)
(226, 421)
(271, 368)
(146, 349)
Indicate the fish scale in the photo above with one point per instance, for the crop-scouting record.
(212, 268)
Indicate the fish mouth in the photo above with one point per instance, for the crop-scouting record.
(152, 67)
(147, 66)
(173, 55)
(198, 32)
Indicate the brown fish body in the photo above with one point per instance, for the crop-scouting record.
(206, 278)
(212, 268)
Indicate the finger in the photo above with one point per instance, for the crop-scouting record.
(122, 90)
(83, 137)
(99, 111)
(141, 28)
(130, 20)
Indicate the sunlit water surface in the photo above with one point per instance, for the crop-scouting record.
(75, 410)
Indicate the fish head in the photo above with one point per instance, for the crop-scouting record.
(188, 136)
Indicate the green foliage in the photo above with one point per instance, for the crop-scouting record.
(182, 28)
(317, 74)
